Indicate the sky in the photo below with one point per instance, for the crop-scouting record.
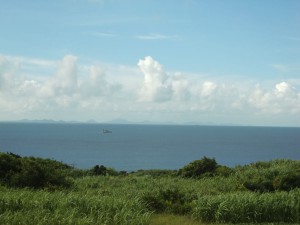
(217, 62)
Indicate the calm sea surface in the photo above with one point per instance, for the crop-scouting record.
(133, 147)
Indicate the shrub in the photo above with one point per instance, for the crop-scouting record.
(259, 185)
(224, 171)
(153, 202)
(99, 170)
(287, 182)
(32, 172)
(270, 176)
(9, 164)
(155, 173)
(104, 171)
(199, 168)
(170, 200)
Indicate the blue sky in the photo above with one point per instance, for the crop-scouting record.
(229, 62)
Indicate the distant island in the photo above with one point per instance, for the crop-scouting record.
(121, 121)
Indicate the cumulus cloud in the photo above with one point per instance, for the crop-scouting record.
(67, 73)
(208, 88)
(96, 84)
(72, 90)
(282, 99)
(2, 72)
(65, 81)
(180, 88)
(66, 78)
(7, 72)
(283, 88)
(156, 86)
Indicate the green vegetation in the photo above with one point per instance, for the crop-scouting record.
(167, 219)
(43, 191)
(16, 171)
(199, 168)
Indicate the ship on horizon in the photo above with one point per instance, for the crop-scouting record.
(105, 131)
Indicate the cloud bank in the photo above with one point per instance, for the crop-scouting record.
(70, 90)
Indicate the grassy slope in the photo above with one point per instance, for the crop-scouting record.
(159, 198)
(167, 219)
(115, 199)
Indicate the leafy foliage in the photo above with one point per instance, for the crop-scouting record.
(32, 172)
(155, 173)
(279, 175)
(287, 181)
(199, 168)
(99, 170)
(105, 171)
(264, 192)
(171, 200)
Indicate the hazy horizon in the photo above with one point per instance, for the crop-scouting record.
(202, 62)
(145, 122)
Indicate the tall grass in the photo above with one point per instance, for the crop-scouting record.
(249, 207)
(41, 207)
(119, 200)
(133, 199)
(274, 175)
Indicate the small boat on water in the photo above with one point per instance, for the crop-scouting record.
(104, 131)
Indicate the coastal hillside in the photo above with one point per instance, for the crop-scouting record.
(45, 191)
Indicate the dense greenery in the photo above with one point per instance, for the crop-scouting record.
(72, 207)
(43, 191)
(32, 172)
(199, 168)
(249, 207)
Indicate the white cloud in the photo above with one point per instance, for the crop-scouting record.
(7, 73)
(147, 92)
(104, 34)
(156, 36)
(283, 88)
(180, 88)
(66, 77)
(156, 86)
(208, 88)
(283, 99)
(96, 84)
(65, 81)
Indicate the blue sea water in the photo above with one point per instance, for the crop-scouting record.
(133, 147)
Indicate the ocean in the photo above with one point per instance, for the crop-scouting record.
(134, 147)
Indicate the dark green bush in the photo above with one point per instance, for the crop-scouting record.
(32, 172)
(104, 171)
(9, 165)
(270, 176)
(170, 200)
(199, 168)
(155, 173)
(288, 181)
(259, 185)
(154, 202)
(223, 171)
(99, 170)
